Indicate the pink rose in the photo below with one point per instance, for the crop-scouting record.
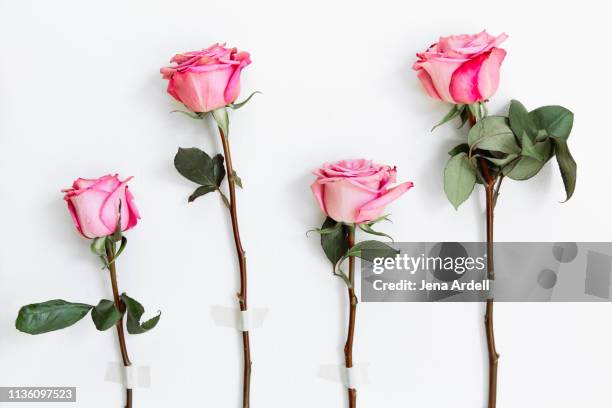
(206, 80)
(94, 205)
(355, 191)
(462, 68)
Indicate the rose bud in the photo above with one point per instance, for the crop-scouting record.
(462, 69)
(206, 80)
(356, 191)
(94, 205)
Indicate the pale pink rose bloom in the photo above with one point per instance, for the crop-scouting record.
(356, 191)
(94, 205)
(462, 68)
(208, 79)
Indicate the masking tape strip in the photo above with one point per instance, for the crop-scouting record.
(240, 320)
(131, 376)
(352, 377)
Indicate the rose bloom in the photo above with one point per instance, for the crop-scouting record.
(356, 191)
(206, 80)
(94, 205)
(462, 68)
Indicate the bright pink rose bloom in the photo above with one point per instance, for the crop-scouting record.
(462, 68)
(206, 80)
(355, 191)
(94, 205)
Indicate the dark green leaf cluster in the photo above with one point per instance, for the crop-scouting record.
(58, 314)
(517, 146)
(197, 166)
(334, 240)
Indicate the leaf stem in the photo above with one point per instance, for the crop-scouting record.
(348, 347)
(111, 255)
(224, 198)
(242, 295)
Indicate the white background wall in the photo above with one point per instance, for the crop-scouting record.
(80, 95)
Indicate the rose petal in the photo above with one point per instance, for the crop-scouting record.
(428, 84)
(317, 190)
(466, 80)
(133, 213)
(202, 92)
(87, 210)
(343, 199)
(75, 219)
(488, 78)
(441, 73)
(233, 86)
(108, 211)
(375, 208)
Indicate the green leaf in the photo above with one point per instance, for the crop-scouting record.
(241, 104)
(501, 161)
(556, 120)
(527, 167)
(523, 169)
(134, 312)
(105, 315)
(493, 133)
(222, 120)
(195, 165)
(49, 316)
(218, 169)
(542, 135)
(520, 121)
(528, 149)
(370, 250)
(200, 191)
(237, 179)
(455, 111)
(98, 246)
(459, 179)
(463, 147)
(334, 240)
(567, 165)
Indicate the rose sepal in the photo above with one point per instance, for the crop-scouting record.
(334, 243)
(477, 109)
(222, 118)
(238, 105)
